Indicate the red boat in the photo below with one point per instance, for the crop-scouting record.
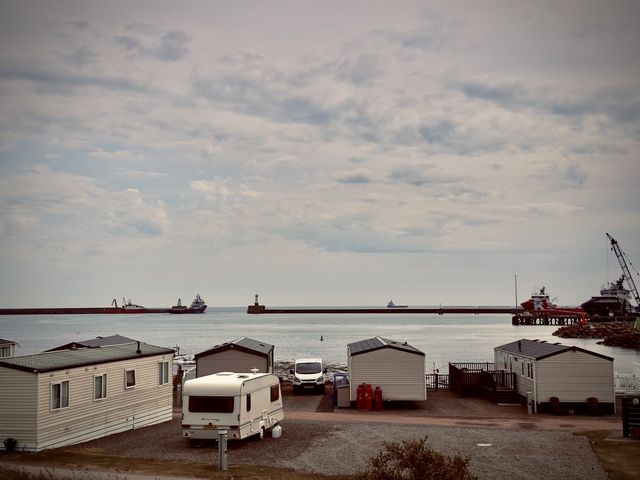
(540, 303)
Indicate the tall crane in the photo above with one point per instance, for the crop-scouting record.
(625, 270)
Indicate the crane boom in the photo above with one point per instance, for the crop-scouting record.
(625, 269)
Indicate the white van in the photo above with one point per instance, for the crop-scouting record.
(308, 374)
(244, 404)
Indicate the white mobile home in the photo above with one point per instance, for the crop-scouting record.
(574, 377)
(244, 404)
(396, 367)
(241, 355)
(7, 348)
(59, 398)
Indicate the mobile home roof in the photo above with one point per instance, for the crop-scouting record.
(64, 359)
(378, 343)
(245, 344)
(538, 349)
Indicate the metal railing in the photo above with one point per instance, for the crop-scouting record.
(437, 381)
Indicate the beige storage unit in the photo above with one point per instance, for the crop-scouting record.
(396, 367)
(241, 355)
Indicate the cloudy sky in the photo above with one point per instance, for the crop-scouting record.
(317, 153)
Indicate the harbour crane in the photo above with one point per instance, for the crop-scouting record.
(620, 255)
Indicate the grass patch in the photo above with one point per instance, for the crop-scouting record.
(620, 459)
(119, 467)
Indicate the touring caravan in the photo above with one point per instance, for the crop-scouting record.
(243, 404)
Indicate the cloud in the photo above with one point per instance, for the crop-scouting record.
(52, 79)
(621, 104)
(546, 209)
(53, 213)
(173, 46)
(358, 176)
(143, 174)
(419, 175)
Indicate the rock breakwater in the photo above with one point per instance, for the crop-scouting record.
(614, 334)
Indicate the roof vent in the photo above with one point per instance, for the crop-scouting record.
(254, 371)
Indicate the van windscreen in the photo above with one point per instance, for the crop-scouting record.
(308, 367)
(211, 404)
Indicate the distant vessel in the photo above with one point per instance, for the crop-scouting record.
(197, 306)
(129, 307)
(540, 303)
(614, 300)
(393, 305)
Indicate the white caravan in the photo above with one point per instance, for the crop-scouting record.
(244, 404)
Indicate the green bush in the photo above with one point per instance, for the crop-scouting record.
(414, 460)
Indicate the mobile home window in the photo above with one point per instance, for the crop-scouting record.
(163, 373)
(248, 402)
(60, 395)
(129, 378)
(211, 404)
(100, 386)
(275, 393)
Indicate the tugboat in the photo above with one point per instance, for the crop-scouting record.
(197, 306)
(540, 303)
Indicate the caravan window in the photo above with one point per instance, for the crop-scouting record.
(60, 395)
(275, 393)
(211, 404)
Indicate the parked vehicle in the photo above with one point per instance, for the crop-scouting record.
(308, 374)
(244, 404)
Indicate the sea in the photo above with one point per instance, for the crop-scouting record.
(443, 338)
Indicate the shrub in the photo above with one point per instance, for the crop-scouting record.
(414, 460)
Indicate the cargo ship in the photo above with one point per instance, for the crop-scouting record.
(127, 307)
(614, 300)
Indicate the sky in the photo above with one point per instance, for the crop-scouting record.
(316, 153)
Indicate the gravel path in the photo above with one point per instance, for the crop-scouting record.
(341, 442)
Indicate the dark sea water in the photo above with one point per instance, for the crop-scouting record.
(444, 339)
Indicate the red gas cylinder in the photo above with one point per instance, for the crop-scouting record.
(360, 397)
(368, 397)
(377, 399)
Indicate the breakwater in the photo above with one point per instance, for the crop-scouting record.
(256, 309)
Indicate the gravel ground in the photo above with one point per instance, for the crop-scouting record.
(334, 446)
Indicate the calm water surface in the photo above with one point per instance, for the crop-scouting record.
(444, 339)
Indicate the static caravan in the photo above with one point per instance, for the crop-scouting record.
(556, 375)
(94, 342)
(396, 367)
(241, 355)
(59, 398)
(7, 348)
(244, 404)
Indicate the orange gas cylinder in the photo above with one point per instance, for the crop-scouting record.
(360, 397)
(368, 397)
(377, 399)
